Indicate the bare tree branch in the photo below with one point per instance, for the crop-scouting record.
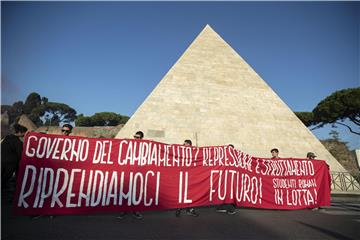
(357, 133)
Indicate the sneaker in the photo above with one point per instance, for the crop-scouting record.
(315, 209)
(121, 215)
(178, 212)
(192, 212)
(231, 211)
(137, 215)
(220, 210)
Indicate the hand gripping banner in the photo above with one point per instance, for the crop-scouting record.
(74, 175)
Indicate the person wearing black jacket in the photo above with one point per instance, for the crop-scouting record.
(11, 151)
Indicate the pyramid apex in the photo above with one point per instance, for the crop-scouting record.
(208, 30)
(208, 27)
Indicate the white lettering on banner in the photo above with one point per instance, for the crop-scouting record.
(294, 183)
(112, 192)
(127, 188)
(307, 183)
(219, 156)
(278, 197)
(283, 167)
(148, 153)
(183, 188)
(69, 192)
(56, 193)
(46, 193)
(138, 177)
(284, 183)
(57, 148)
(38, 188)
(23, 194)
(102, 152)
(247, 189)
(295, 197)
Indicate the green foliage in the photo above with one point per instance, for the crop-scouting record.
(82, 120)
(340, 105)
(306, 117)
(54, 113)
(32, 101)
(101, 119)
(40, 111)
(335, 109)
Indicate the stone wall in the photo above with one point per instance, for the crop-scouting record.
(91, 132)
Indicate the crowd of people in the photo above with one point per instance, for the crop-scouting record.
(11, 151)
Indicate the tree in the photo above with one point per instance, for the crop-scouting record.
(54, 113)
(40, 110)
(306, 117)
(338, 107)
(82, 120)
(101, 119)
(32, 101)
(335, 109)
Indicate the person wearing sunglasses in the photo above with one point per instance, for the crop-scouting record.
(138, 136)
(66, 129)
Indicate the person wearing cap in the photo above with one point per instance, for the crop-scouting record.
(189, 211)
(310, 155)
(138, 136)
(274, 153)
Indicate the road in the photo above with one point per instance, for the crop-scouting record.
(340, 221)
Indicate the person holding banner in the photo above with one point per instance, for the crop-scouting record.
(138, 135)
(189, 211)
(227, 208)
(310, 156)
(274, 153)
(66, 129)
(11, 151)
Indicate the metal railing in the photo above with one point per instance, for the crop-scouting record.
(344, 181)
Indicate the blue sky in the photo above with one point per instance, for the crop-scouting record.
(97, 56)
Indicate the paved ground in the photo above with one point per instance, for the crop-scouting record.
(340, 221)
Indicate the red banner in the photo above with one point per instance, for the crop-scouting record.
(72, 175)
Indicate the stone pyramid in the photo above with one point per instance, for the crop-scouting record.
(213, 97)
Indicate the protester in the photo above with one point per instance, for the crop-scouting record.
(274, 153)
(189, 211)
(227, 208)
(310, 155)
(11, 151)
(138, 135)
(66, 129)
